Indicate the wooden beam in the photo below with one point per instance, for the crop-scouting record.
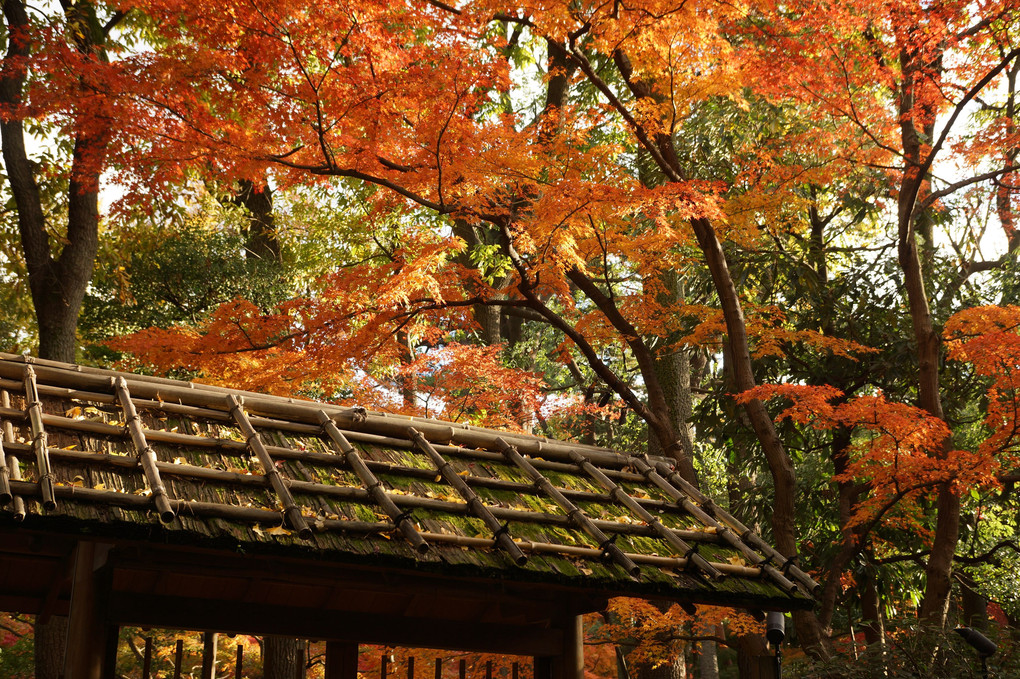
(256, 619)
(341, 660)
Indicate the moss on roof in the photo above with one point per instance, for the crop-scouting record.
(371, 494)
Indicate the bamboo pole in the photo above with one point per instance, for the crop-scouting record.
(573, 511)
(500, 533)
(617, 493)
(146, 455)
(34, 407)
(372, 483)
(12, 460)
(254, 443)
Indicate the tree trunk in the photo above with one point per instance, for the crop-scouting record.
(262, 242)
(50, 639)
(283, 658)
(57, 282)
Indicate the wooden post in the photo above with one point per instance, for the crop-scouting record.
(515, 671)
(383, 665)
(147, 659)
(209, 655)
(488, 669)
(573, 648)
(239, 663)
(178, 658)
(462, 669)
(410, 667)
(543, 667)
(341, 660)
(87, 627)
(439, 668)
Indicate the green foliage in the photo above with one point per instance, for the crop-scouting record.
(914, 650)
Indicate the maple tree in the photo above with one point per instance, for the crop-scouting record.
(631, 182)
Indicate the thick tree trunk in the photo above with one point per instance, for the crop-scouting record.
(262, 242)
(283, 658)
(50, 639)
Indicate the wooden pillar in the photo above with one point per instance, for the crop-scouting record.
(88, 629)
(211, 641)
(341, 660)
(569, 664)
(543, 667)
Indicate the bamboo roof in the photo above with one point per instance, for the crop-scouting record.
(143, 459)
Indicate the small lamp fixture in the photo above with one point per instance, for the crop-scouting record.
(984, 646)
(775, 632)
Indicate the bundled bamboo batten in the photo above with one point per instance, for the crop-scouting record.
(42, 459)
(269, 470)
(606, 544)
(374, 486)
(500, 533)
(684, 500)
(146, 455)
(786, 564)
(617, 493)
(13, 465)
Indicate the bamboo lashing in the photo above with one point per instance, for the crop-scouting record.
(724, 532)
(606, 543)
(374, 486)
(617, 493)
(42, 458)
(254, 442)
(13, 465)
(786, 564)
(475, 505)
(146, 455)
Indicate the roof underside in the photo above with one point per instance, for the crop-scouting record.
(142, 459)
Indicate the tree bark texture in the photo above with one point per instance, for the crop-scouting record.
(283, 658)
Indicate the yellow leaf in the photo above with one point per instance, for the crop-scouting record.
(737, 561)
(278, 530)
